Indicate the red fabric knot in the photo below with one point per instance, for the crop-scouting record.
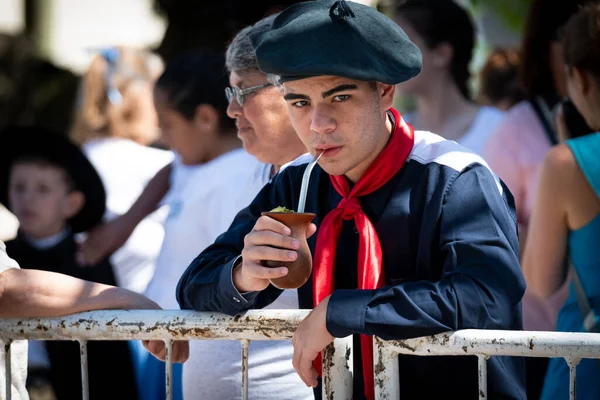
(349, 208)
(369, 252)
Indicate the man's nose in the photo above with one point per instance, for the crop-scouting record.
(322, 122)
(234, 110)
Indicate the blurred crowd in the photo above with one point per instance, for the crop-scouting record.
(169, 149)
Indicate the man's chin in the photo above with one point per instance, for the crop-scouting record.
(332, 168)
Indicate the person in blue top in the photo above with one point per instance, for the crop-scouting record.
(416, 236)
(566, 218)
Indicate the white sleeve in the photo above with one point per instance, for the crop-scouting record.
(5, 261)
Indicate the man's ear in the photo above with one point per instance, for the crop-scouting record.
(206, 118)
(75, 202)
(386, 94)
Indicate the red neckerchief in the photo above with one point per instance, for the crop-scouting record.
(370, 257)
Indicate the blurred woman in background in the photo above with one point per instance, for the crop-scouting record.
(116, 123)
(517, 147)
(566, 217)
(444, 32)
(206, 188)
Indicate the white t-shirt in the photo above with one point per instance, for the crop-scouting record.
(18, 348)
(476, 137)
(481, 129)
(203, 201)
(125, 168)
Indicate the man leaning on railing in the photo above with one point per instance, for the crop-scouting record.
(34, 293)
(416, 235)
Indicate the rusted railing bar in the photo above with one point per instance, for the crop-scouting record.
(502, 343)
(157, 325)
(338, 370)
(386, 370)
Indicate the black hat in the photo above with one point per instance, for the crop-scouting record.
(18, 142)
(340, 38)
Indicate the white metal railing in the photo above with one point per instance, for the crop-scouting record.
(482, 343)
(280, 325)
(180, 325)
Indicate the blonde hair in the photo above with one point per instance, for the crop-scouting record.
(116, 96)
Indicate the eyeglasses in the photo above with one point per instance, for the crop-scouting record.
(239, 94)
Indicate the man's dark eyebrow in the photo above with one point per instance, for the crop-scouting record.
(340, 88)
(294, 96)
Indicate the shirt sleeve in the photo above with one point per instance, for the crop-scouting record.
(207, 284)
(481, 284)
(6, 262)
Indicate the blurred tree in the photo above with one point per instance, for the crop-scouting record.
(33, 90)
(511, 13)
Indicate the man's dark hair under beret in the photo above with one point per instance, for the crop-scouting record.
(340, 38)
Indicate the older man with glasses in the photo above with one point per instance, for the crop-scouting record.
(255, 102)
(213, 370)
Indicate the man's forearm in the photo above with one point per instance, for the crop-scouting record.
(34, 293)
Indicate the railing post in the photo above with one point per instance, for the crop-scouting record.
(169, 369)
(245, 346)
(338, 370)
(572, 362)
(85, 381)
(7, 369)
(482, 367)
(385, 369)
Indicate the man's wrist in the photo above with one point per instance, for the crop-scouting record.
(236, 277)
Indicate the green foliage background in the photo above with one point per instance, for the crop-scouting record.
(512, 13)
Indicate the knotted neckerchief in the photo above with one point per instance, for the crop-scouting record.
(370, 257)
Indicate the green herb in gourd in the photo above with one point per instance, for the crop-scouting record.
(281, 209)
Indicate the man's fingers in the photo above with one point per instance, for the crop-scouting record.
(258, 271)
(181, 351)
(308, 370)
(310, 230)
(270, 238)
(156, 348)
(269, 224)
(296, 362)
(264, 253)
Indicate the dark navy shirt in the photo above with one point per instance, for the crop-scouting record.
(448, 232)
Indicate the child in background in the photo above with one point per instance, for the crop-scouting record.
(54, 191)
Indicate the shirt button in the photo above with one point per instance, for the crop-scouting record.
(236, 299)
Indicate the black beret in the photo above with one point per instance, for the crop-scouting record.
(18, 142)
(340, 38)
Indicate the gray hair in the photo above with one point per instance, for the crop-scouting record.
(240, 55)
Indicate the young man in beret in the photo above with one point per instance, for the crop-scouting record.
(416, 235)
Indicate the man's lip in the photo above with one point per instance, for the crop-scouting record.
(325, 148)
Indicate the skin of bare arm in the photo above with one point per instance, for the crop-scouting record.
(34, 293)
(105, 239)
